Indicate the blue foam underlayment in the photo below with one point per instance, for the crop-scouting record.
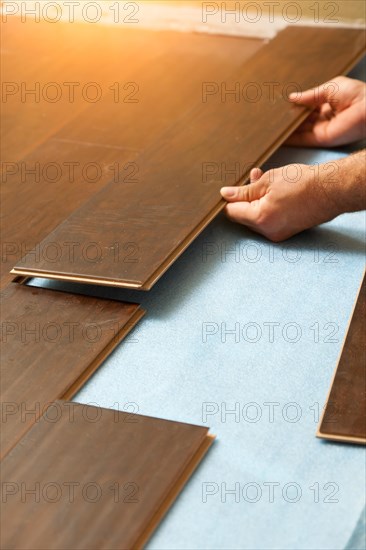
(167, 369)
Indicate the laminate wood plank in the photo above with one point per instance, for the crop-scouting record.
(168, 90)
(60, 61)
(52, 342)
(124, 471)
(175, 200)
(42, 190)
(55, 178)
(60, 53)
(344, 417)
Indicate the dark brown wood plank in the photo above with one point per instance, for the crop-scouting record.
(52, 342)
(344, 417)
(45, 175)
(38, 56)
(169, 88)
(47, 186)
(173, 202)
(43, 188)
(126, 470)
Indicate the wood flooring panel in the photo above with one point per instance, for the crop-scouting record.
(46, 54)
(39, 192)
(47, 185)
(169, 89)
(175, 200)
(52, 342)
(124, 472)
(344, 418)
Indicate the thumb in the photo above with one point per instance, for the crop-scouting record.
(247, 193)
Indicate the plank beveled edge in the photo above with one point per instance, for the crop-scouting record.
(175, 490)
(103, 355)
(324, 434)
(30, 273)
(77, 384)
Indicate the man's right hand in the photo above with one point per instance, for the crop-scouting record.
(339, 117)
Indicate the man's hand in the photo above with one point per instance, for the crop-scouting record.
(339, 117)
(286, 201)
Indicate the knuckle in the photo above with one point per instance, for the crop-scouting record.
(275, 237)
(241, 193)
(339, 81)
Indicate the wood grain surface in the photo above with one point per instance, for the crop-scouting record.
(58, 155)
(102, 478)
(179, 176)
(344, 418)
(52, 342)
(47, 69)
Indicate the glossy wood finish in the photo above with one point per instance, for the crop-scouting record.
(62, 139)
(173, 200)
(34, 55)
(344, 418)
(52, 343)
(111, 476)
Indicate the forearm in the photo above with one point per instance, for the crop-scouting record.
(344, 184)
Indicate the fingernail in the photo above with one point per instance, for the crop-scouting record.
(228, 192)
(293, 95)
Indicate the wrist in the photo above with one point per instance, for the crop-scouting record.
(343, 182)
(324, 188)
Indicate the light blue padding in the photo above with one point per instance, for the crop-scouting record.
(357, 541)
(170, 372)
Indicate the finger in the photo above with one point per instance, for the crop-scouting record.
(245, 213)
(326, 93)
(306, 139)
(255, 175)
(306, 126)
(315, 115)
(326, 112)
(339, 130)
(310, 98)
(303, 139)
(247, 193)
